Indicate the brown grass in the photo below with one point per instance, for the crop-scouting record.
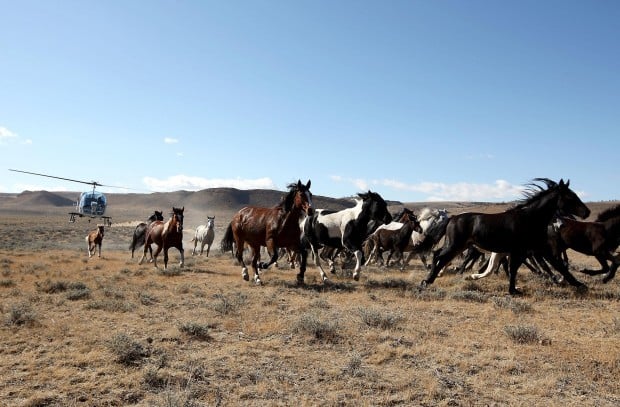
(108, 332)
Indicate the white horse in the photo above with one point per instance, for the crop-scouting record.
(204, 235)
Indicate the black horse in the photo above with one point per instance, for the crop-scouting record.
(139, 232)
(517, 231)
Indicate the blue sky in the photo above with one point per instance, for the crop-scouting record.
(417, 100)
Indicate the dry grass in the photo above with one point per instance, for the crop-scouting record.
(108, 332)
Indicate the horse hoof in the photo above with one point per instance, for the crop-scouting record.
(356, 277)
(300, 281)
(582, 288)
(515, 292)
(423, 284)
(257, 281)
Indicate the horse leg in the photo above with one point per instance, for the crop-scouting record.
(562, 267)
(238, 254)
(516, 259)
(165, 256)
(182, 252)
(492, 265)
(302, 265)
(441, 258)
(99, 245)
(255, 265)
(208, 248)
(194, 249)
(315, 253)
(157, 251)
(272, 250)
(202, 247)
(612, 269)
(358, 264)
(602, 259)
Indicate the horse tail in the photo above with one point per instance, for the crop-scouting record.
(139, 235)
(226, 245)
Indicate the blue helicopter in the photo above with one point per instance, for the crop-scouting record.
(91, 203)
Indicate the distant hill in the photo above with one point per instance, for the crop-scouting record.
(222, 202)
(36, 199)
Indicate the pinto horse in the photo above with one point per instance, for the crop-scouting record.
(166, 235)
(274, 228)
(94, 240)
(140, 232)
(599, 239)
(517, 231)
(347, 228)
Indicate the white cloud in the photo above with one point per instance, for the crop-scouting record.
(439, 191)
(170, 140)
(6, 134)
(184, 182)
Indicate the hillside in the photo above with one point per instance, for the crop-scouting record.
(220, 202)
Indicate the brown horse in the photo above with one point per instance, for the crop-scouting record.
(599, 239)
(395, 240)
(274, 228)
(94, 240)
(166, 235)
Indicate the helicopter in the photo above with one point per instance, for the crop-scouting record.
(90, 203)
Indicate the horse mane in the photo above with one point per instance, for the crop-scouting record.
(427, 213)
(288, 200)
(369, 195)
(403, 211)
(608, 213)
(534, 192)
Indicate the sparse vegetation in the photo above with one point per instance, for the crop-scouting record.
(126, 350)
(523, 334)
(196, 330)
(110, 332)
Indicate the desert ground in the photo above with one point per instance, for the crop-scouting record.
(79, 331)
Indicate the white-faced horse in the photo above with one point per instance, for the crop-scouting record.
(347, 228)
(204, 235)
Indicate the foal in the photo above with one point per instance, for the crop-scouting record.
(94, 239)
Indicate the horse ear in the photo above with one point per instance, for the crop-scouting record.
(308, 185)
(561, 182)
(567, 183)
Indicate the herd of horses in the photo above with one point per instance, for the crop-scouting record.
(536, 231)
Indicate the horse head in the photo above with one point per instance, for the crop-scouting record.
(157, 215)
(100, 230)
(569, 202)
(210, 222)
(177, 218)
(375, 207)
(299, 197)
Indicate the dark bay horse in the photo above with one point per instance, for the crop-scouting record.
(140, 232)
(274, 228)
(347, 228)
(599, 239)
(394, 240)
(166, 235)
(517, 231)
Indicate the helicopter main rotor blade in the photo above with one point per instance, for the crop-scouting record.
(93, 183)
(65, 179)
